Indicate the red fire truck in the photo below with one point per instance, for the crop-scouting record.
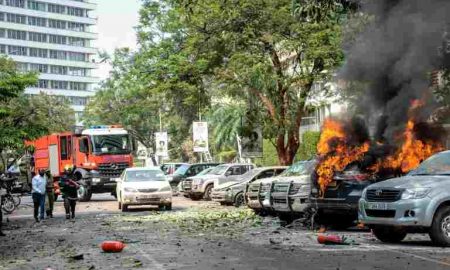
(99, 154)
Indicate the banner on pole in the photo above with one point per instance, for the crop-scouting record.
(161, 143)
(200, 136)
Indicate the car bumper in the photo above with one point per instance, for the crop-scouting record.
(222, 196)
(396, 213)
(293, 203)
(147, 199)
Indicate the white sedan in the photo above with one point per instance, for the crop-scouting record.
(144, 186)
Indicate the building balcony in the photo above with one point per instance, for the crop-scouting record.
(50, 46)
(56, 62)
(48, 30)
(59, 92)
(89, 5)
(49, 15)
(68, 78)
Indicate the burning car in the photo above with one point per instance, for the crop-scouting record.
(417, 202)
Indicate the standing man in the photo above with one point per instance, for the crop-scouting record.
(50, 190)
(69, 191)
(1, 215)
(38, 184)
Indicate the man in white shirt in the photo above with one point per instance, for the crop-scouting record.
(38, 184)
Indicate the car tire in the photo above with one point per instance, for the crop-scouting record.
(195, 197)
(389, 234)
(208, 191)
(239, 200)
(124, 208)
(84, 194)
(440, 228)
(168, 207)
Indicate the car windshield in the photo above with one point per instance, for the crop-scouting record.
(182, 169)
(111, 144)
(205, 171)
(144, 175)
(438, 164)
(299, 168)
(219, 170)
(248, 175)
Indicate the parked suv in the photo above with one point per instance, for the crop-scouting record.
(290, 194)
(338, 206)
(188, 170)
(257, 195)
(233, 192)
(202, 187)
(418, 202)
(186, 184)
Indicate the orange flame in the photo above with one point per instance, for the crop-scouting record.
(334, 152)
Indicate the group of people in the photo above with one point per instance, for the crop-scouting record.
(43, 194)
(43, 188)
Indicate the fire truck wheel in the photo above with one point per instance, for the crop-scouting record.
(84, 194)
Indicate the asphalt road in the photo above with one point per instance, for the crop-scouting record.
(52, 243)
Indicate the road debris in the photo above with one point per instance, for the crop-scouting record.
(335, 240)
(112, 246)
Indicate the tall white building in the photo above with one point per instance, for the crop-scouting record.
(54, 38)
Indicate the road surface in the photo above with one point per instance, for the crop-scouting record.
(54, 243)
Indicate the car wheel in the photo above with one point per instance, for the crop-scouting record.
(239, 200)
(440, 229)
(208, 191)
(124, 208)
(84, 194)
(389, 234)
(195, 197)
(168, 207)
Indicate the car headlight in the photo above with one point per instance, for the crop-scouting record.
(128, 189)
(166, 188)
(415, 193)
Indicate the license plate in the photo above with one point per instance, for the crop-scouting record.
(148, 197)
(377, 206)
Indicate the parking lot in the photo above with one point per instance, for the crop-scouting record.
(159, 244)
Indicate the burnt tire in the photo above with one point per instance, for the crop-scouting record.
(239, 200)
(207, 194)
(388, 234)
(440, 228)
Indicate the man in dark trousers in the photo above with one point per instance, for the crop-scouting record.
(1, 216)
(50, 190)
(69, 191)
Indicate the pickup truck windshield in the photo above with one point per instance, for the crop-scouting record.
(219, 170)
(438, 164)
(111, 144)
(299, 168)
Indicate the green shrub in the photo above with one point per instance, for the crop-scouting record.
(308, 148)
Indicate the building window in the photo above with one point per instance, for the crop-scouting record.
(37, 21)
(73, 71)
(57, 24)
(57, 39)
(58, 55)
(39, 68)
(56, 8)
(42, 84)
(74, 56)
(58, 70)
(2, 33)
(15, 3)
(35, 52)
(79, 86)
(58, 84)
(80, 27)
(75, 41)
(3, 49)
(38, 37)
(22, 67)
(15, 18)
(16, 34)
(73, 11)
(17, 50)
(36, 5)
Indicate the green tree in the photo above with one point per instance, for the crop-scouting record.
(268, 51)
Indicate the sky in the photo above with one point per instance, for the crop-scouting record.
(116, 22)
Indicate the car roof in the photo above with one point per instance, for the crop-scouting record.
(142, 169)
(239, 164)
(272, 167)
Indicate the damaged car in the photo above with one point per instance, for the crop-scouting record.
(232, 192)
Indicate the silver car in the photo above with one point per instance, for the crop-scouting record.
(418, 202)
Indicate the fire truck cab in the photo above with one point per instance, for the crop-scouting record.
(99, 154)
